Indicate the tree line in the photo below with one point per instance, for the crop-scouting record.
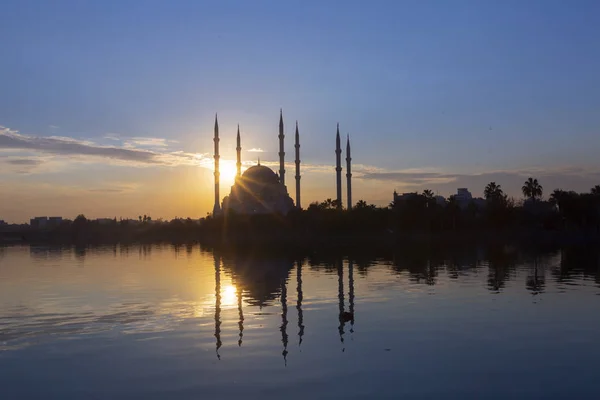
(563, 211)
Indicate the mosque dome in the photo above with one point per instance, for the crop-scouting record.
(260, 174)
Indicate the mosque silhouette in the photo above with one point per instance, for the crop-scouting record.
(260, 190)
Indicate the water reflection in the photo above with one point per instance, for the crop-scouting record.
(241, 316)
(284, 321)
(41, 302)
(218, 303)
(300, 297)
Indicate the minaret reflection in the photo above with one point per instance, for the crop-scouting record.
(217, 259)
(284, 321)
(351, 293)
(299, 302)
(340, 272)
(241, 315)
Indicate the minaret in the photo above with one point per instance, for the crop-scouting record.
(217, 207)
(281, 152)
(297, 146)
(348, 175)
(239, 154)
(338, 167)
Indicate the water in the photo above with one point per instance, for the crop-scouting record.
(168, 322)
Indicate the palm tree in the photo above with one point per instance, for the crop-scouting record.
(428, 194)
(492, 191)
(361, 204)
(453, 208)
(595, 190)
(532, 189)
(556, 196)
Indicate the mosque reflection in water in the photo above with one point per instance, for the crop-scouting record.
(261, 282)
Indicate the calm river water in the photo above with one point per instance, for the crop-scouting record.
(182, 322)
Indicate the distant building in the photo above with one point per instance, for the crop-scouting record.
(463, 195)
(54, 222)
(403, 196)
(105, 221)
(464, 198)
(39, 222)
(440, 201)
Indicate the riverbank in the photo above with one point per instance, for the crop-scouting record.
(303, 240)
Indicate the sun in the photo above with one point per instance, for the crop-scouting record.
(227, 171)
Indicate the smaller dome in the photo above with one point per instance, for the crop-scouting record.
(260, 174)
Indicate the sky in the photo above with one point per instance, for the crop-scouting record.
(107, 108)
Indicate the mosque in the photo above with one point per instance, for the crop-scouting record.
(259, 190)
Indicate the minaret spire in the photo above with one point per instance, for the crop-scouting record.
(281, 152)
(239, 153)
(338, 167)
(217, 207)
(348, 175)
(297, 146)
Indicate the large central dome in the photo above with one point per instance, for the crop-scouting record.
(260, 174)
(258, 191)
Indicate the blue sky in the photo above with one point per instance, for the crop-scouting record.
(434, 94)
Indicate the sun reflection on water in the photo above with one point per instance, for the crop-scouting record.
(228, 296)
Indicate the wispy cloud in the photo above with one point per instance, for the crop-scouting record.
(22, 165)
(112, 136)
(24, 161)
(409, 177)
(256, 150)
(66, 146)
(148, 142)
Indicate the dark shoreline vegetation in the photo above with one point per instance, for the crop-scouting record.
(566, 218)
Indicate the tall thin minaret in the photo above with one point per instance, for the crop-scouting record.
(338, 167)
(348, 175)
(297, 146)
(281, 152)
(239, 154)
(217, 207)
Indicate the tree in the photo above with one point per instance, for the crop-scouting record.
(595, 190)
(140, 218)
(493, 192)
(453, 209)
(556, 197)
(361, 204)
(428, 194)
(328, 204)
(80, 221)
(532, 189)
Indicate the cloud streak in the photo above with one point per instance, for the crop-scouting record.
(65, 146)
(256, 150)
